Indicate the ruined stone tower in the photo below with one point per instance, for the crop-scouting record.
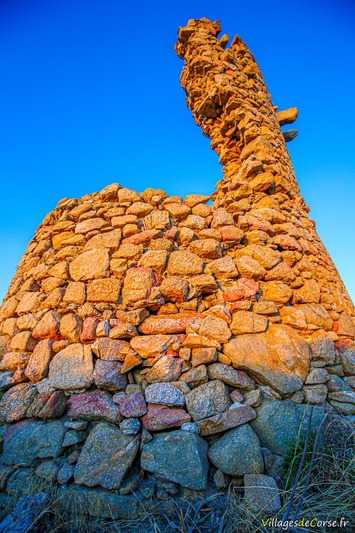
(170, 329)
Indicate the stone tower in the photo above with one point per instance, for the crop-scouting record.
(159, 326)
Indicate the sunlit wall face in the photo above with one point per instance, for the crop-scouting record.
(90, 94)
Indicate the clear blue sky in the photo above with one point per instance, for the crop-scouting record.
(90, 95)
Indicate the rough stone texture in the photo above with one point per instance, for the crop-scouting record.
(279, 358)
(47, 405)
(71, 327)
(208, 400)
(98, 503)
(348, 360)
(108, 376)
(15, 402)
(166, 369)
(174, 323)
(279, 422)
(230, 376)
(73, 437)
(72, 368)
(25, 513)
(237, 452)
(161, 417)
(184, 264)
(104, 290)
(195, 376)
(109, 468)
(65, 473)
(322, 347)
(95, 405)
(315, 394)
(229, 419)
(180, 456)
(130, 426)
(164, 393)
(262, 493)
(133, 405)
(111, 349)
(29, 440)
(90, 265)
(151, 345)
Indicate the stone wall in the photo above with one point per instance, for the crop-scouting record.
(178, 334)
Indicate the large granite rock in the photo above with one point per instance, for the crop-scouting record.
(166, 369)
(93, 405)
(164, 393)
(230, 376)
(237, 452)
(47, 405)
(208, 400)
(235, 416)
(72, 368)
(180, 456)
(279, 422)
(348, 360)
(38, 364)
(322, 347)
(133, 405)
(90, 265)
(109, 468)
(98, 503)
(16, 401)
(108, 376)
(161, 417)
(279, 358)
(30, 440)
(25, 513)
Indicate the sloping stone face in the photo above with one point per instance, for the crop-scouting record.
(107, 455)
(131, 315)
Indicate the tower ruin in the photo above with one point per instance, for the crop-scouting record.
(169, 329)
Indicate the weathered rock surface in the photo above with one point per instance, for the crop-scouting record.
(180, 456)
(90, 265)
(262, 493)
(107, 375)
(207, 400)
(109, 468)
(93, 405)
(38, 364)
(227, 420)
(99, 503)
(72, 368)
(16, 401)
(237, 452)
(230, 376)
(279, 358)
(161, 417)
(25, 513)
(133, 405)
(278, 423)
(165, 394)
(29, 440)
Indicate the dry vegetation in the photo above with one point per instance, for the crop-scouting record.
(329, 495)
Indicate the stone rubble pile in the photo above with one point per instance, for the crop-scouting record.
(186, 336)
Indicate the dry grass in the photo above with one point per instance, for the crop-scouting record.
(329, 496)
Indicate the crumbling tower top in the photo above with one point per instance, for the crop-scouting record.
(227, 95)
(229, 100)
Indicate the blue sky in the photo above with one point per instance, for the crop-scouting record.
(90, 95)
